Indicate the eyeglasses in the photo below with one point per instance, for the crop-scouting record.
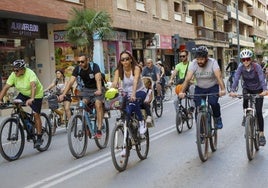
(16, 70)
(80, 62)
(182, 55)
(245, 59)
(125, 59)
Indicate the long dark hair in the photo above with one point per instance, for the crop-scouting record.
(120, 65)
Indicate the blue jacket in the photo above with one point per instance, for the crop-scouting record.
(253, 79)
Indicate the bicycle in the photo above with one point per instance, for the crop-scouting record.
(53, 114)
(158, 104)
(230, 82)
(168, 92)
(83, 125)
(183, 114)
(251, 125)
(205, 127)
(125, 135)
(12, 135)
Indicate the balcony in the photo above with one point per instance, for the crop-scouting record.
(221, 36)
(249, 2)
(243, 40)
(219, 7)
(204, 33)
(242, 17)
(258, 32)
(252, 11)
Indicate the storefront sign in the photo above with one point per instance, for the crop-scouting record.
(59, 36)
(24, 28)
(165, 42)
(117, 36)
(159, 42)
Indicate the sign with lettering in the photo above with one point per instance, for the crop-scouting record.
(23, 28)
(59, 36)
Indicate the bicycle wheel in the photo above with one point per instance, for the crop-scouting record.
(201, 137)
(249, 136)
(179, 124)
(158, 107)
(190, 120)
(77, 138)
(257, 135)
(117, 148)
(46, 133)
(213, 140)
(12, 139)
(228, 85)
(53, 123)
(168, 93)
(102, 143)
(142, 147)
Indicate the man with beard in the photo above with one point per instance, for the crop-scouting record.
(208, 80)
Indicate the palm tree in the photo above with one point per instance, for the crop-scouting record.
(84, 25)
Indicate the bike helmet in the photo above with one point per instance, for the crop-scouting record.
(246, 53)
(19, 63)
(111, 93)
(201, 51)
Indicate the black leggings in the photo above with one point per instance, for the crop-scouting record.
(258, 106)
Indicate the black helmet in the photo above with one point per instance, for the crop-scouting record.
(19, 63)
(201, 51)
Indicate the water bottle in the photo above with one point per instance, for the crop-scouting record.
(29, 125)
(93, 114)
(203, 104)
(81, 103)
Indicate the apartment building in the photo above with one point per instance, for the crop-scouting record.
(26, 32)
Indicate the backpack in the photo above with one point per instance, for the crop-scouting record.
(80, 84)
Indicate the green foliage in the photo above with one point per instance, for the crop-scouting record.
(84, 24)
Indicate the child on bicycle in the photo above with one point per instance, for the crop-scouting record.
(254, 83)
(148, 99)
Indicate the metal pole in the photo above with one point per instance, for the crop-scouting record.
(237, 33)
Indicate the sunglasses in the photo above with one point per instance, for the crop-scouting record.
(16, 70)
(82, 62)
(245, 59)
(182, 55)
(125, 59)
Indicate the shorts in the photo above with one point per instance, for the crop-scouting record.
(86, 93)
(36, 105)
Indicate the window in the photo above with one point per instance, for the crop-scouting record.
(200, 20)
(177, 7)
(164, 9)
(122, 4)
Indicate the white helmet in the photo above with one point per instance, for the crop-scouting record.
(246, 53)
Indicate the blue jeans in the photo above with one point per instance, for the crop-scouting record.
(212, 100)
(136, 105)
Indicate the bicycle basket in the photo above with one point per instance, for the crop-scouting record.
(117, 103)
(53, 102)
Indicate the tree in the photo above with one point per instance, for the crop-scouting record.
(84, 24)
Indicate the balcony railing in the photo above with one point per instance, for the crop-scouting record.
(242, 17)
(219, 7)
(205, 2)
(243, 40)
(221, 36)
(258, 32)
(257, 13)
(205, 33)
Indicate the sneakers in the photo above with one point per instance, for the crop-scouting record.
(99, 134)
(218, 123)
(262, 141)
(142, 128)
(106, 114)
(38, 143)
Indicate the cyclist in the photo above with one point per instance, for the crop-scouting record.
(30, 91)
(162, 73)
(208, 80)
(254, 83)
(90, 81)
(151, 70)
(60, 82)
(129, 72)
(180, 72)
(232, 65)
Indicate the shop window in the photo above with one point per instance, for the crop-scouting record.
(177, 7)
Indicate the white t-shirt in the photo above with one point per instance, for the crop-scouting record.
(205, 77)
